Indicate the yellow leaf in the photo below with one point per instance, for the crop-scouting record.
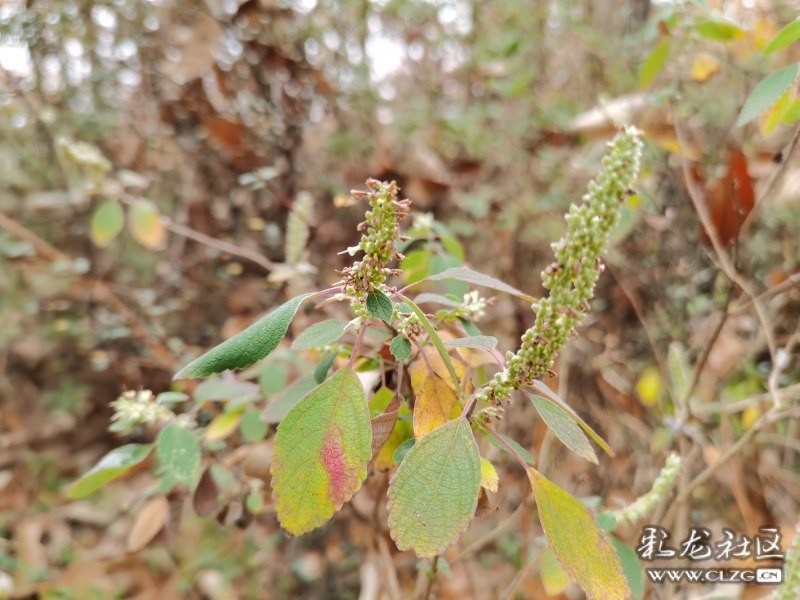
(146, 225)
(774, 115)
(750, 416)
(583, 549)
(421, 370)
(223, 425)
(489, 477)
(704, 67)
(649, 386)
(435, 405)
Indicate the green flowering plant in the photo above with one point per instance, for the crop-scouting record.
(431, 413)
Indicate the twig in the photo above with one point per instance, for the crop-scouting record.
(777, 175)
(431, 578)
(724, 261)
(357, 346)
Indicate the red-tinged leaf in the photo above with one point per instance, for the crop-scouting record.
(322, 449)
(583, 549)
(730, 199)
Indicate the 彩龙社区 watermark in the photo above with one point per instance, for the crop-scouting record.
(700, 545)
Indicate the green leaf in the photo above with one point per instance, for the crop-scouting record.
(253, 427)
(170, 399)
(272, 378)
(321, 370)
(767, 92)
(427, 297)
(320, 334)
(416, 266)
(400, 348)
(434, 492)
(107, 221)
(562, 424)
(217, 390)
(178, 454)
(582, 548)
(402, 450)
(322, 449)
(786, 36)
(437, 343)
(379, 305)
(280, 405)
(476, 278)
(552, 396)
(651, 66)
(631, 567)
(481, 342)
(113, 465)
(249, 346)
(525, 454)
(720, 30)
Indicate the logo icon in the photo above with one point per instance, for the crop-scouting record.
(772, 576)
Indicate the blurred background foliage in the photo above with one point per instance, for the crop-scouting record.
(169, 168)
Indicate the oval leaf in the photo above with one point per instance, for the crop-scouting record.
(178, 454)
(653, 63)
(379, 305)
(476, 278)
(146, 226)
(720, 30)
(561, 423)
(582, 548)
(786, 36)
(149, 521)
(322, 449)
(767, 92)
(247, 347)
(551, 395)
(400, 348)
(433, 495)
(320, 334)
(107, 221)
(113, 465)
(222, 426)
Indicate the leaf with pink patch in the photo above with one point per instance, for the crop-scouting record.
(322, 449)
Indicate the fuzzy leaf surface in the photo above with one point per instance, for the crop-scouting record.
(767, 92)
(583, 549)
(560, 422)
(113, 465)
(247, 347)
(178, 454)
(476, 278)
(322, 449)
(320, 334)
(433, 494)
(379, 305)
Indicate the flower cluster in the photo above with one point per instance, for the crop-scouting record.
(138, 408)
(661, 487)
(572, 277)
(378, 243)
